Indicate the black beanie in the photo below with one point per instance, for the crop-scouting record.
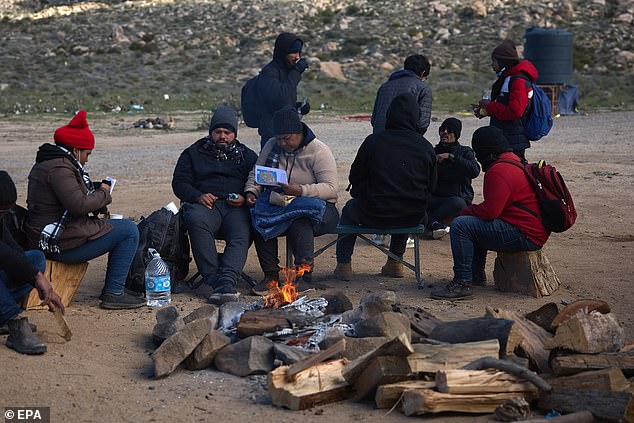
(224, 117)
(8, 193)
(505, 51)
(452, 125)
(286, 121)
(489, 140)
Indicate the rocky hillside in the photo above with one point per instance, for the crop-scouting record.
(59, 55)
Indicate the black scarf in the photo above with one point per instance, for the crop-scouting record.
(233, 152)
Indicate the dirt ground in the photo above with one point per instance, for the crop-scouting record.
(104, 373)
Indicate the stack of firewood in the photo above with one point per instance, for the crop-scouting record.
(574, 361)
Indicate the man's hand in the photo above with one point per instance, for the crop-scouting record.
(443, 156)
(236, 202)
(207, 200)
(250, 199)
(301, 65)
(292, 189)
(48, 296)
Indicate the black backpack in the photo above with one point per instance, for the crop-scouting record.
(165, 232)
(249, 103)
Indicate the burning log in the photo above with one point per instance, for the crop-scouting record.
(316, 385)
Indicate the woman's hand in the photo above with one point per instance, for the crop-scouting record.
(250, 199)
(48, 296)
(292, 189)
(236, 202)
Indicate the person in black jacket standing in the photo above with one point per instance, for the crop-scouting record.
(457, 166)
(278, 80)
(209, 179)
(20, 272)
(391, 179)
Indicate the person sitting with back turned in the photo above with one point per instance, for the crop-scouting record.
(507, 220)
(391, 179)
(207, 177)
(63, 204)
(457, 166)
(303, 208)
(20, 272)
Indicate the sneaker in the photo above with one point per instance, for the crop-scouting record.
(438, 230)
(410, 243)
(224, 297)
(22, 339)
(454, 290)
(393, 269)
(343, 271)
(381, 239)
(121, 301)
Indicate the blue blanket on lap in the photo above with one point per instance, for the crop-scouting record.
(271, 221)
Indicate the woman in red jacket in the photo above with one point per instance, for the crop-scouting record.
(502, 222)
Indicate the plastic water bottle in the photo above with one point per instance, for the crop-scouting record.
(157, 281)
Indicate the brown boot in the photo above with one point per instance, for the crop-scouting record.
(343, 271)
(392, 269)
(22, 339)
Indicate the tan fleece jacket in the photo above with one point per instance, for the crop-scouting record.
(313, 168)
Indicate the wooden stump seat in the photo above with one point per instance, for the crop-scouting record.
(526, 272)
(65, 279)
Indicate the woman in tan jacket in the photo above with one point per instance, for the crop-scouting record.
(312, 173)
(63, 204)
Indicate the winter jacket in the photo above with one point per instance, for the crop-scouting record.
(455, 174)
(276, 85)
(504, 186)
(198, 172)
(510, 96)
(312, 166)
(12, 259)
(402, 82)
(394, 171)
(56, 185)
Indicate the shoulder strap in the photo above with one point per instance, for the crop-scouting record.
(530, 181)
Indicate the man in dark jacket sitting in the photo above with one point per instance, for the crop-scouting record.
(392, 177)
(209, 179)
(278, 80)
(20, 272)
(457, 166)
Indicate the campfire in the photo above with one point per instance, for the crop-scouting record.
(279, 296)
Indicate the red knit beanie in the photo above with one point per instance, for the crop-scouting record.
(76, 134)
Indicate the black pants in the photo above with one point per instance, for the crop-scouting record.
(442, 208)
(233, 224)
(301, 236)
(351, 215)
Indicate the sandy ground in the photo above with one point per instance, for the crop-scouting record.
(104, 373)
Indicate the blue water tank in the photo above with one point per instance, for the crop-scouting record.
(550, 50)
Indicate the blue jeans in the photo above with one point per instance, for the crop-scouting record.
(471, 238)
(444, 209)
(351, 215)
(11, 292)
(120, 244)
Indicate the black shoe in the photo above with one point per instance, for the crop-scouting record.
(264, 286)
(22, 339)
(121, 301)
(4, 330)
(225, 297)
(138, 294)
(454, 290)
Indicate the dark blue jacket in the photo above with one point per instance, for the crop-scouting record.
(403, 82)
(455, 174)
(277, 84)
(197, 172)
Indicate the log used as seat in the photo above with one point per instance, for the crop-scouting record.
(65, 279)
(525, 272)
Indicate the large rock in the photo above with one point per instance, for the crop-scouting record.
(168, 322)
(287, 354)
(230, 313)
(338, 302)
(175, 349)
(370, 305)
(356, 347)
(253, 355)
(388, 324)
(209, 311)
(204, 354)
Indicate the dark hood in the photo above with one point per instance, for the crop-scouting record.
(309, 135)
(402, 113)
(402, 73)
(283, 43)
(48, 152)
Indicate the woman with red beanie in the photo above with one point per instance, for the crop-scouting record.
(60, 200)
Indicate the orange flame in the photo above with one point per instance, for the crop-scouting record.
(287, 293)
